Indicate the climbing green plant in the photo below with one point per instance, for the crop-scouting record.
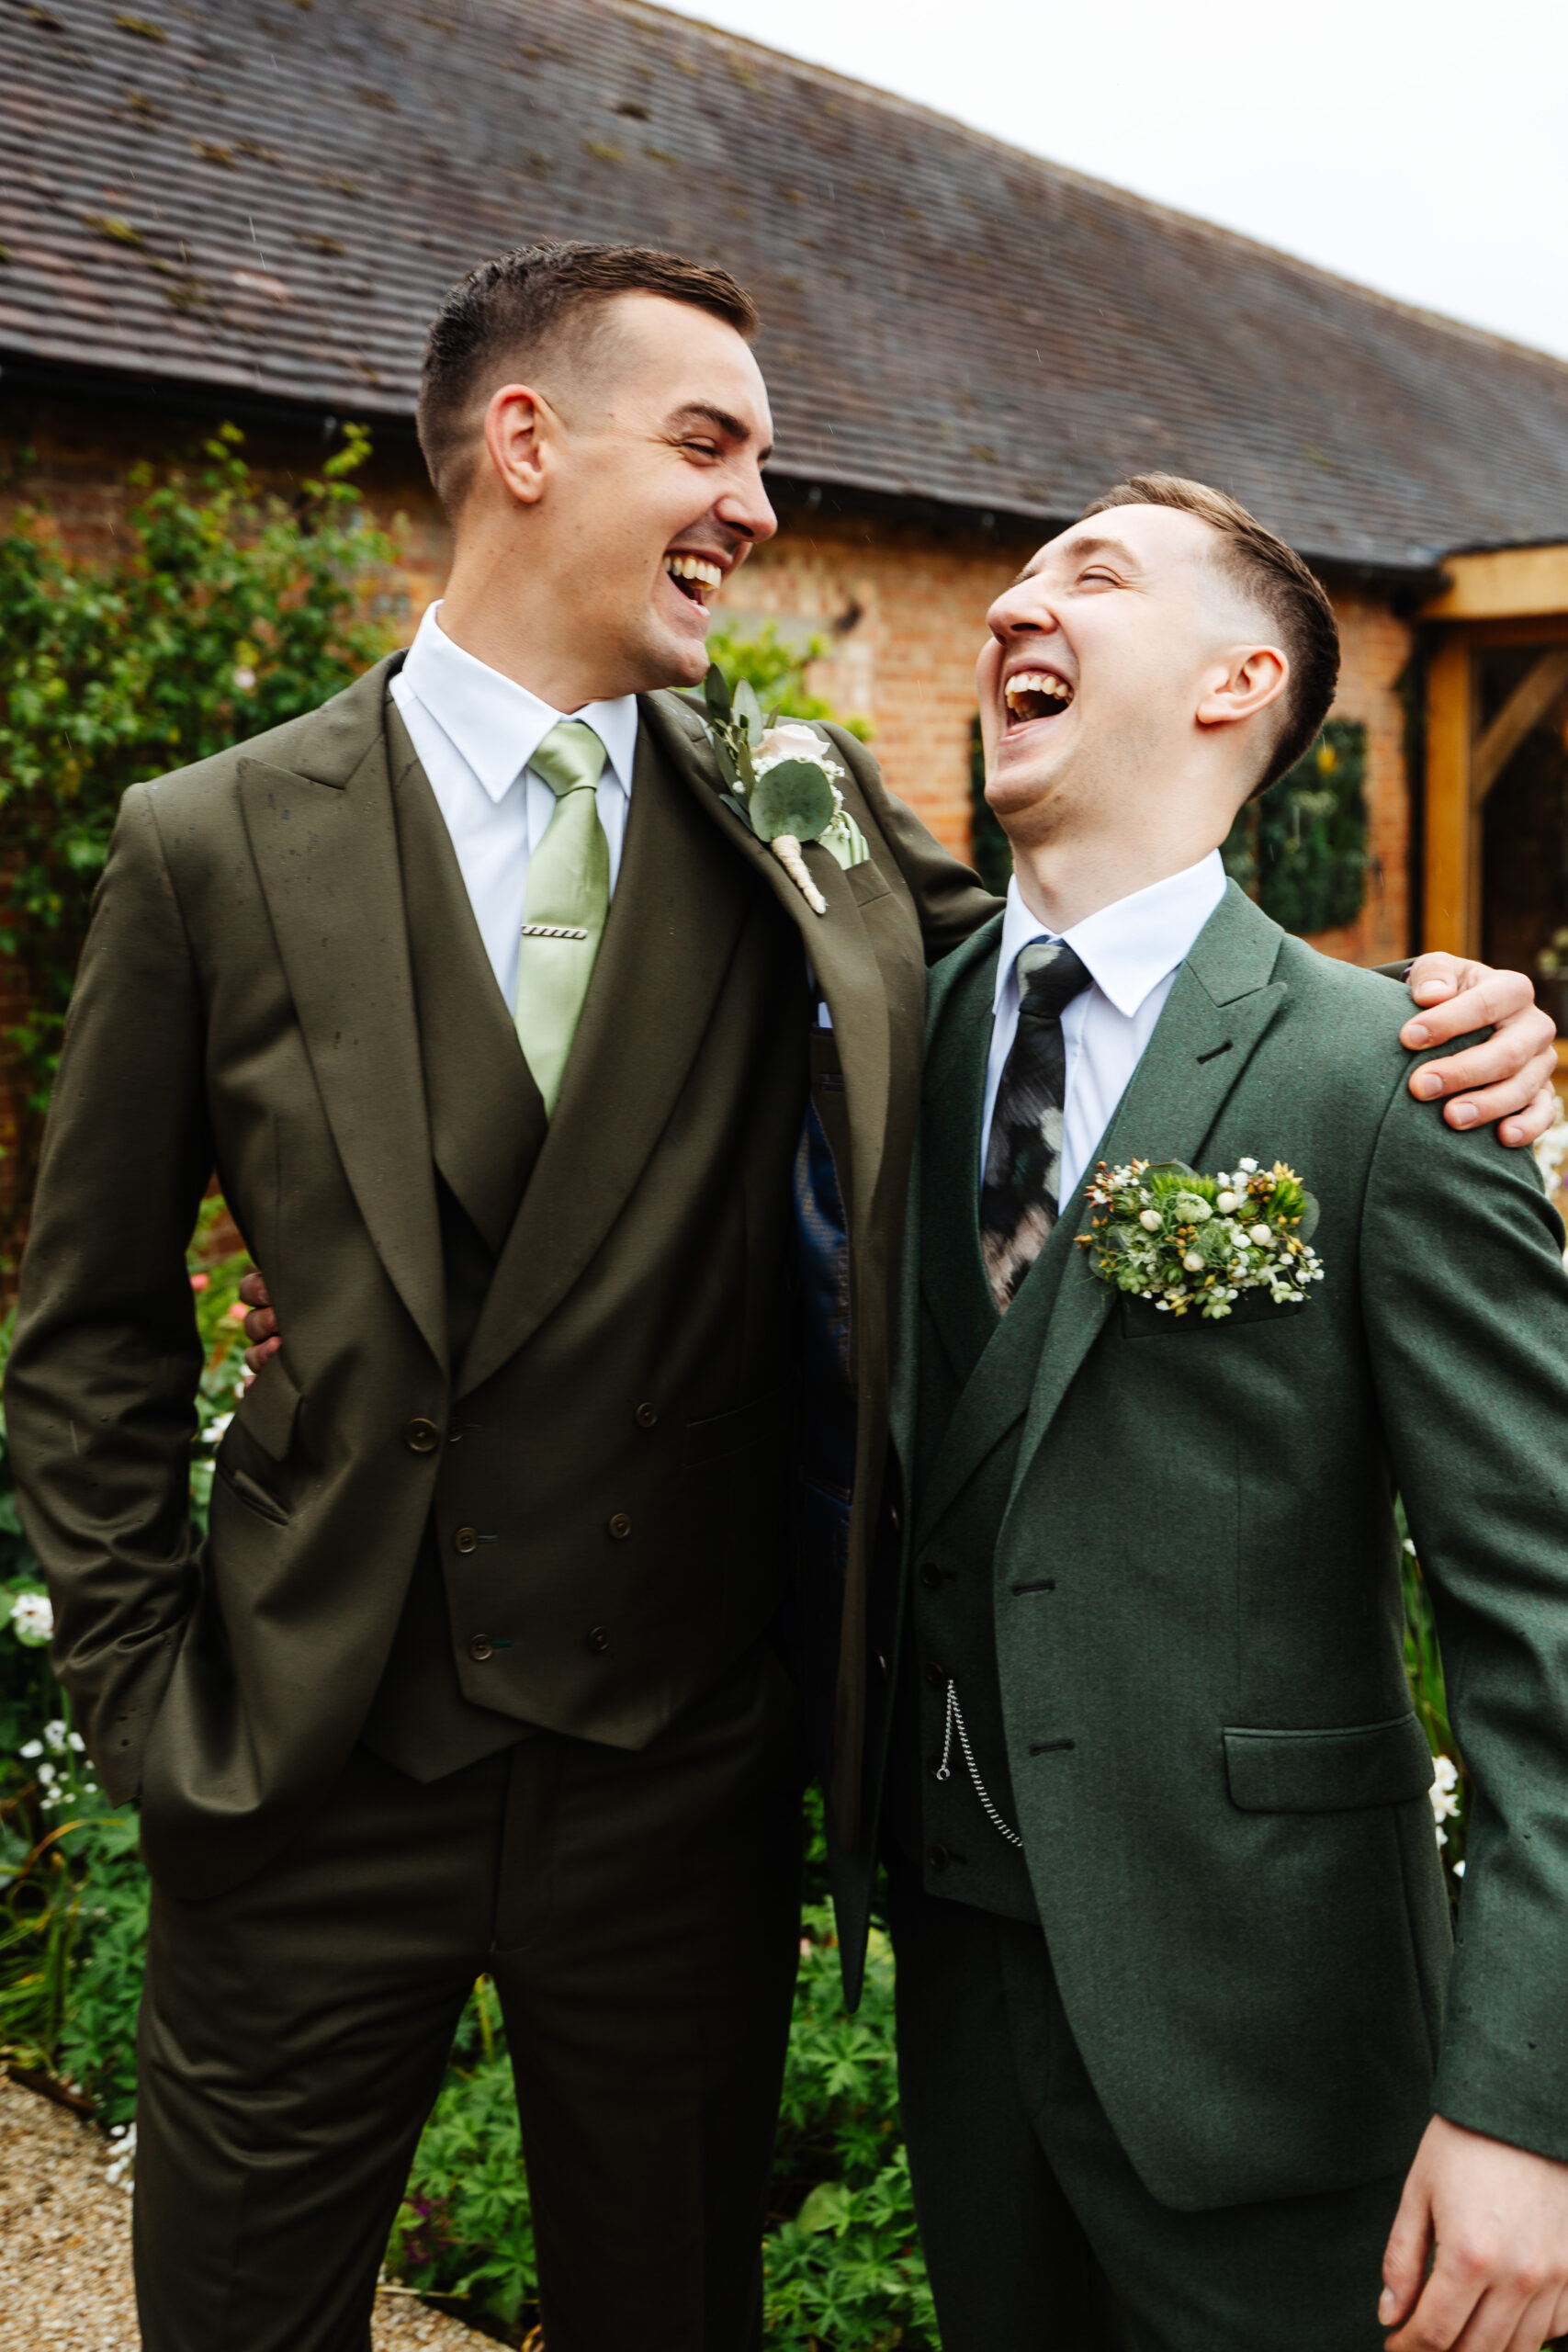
(1302, 849)
(221, 610)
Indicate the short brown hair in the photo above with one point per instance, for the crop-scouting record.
(1274, 576)
(504, 311)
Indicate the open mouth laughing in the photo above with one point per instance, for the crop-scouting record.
(696, 576)
(1029, 694)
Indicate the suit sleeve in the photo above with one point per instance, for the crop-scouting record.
(101, 1385)
(1466, 1307)
(952, 902)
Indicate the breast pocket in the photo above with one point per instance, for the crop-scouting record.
(1142, 1320)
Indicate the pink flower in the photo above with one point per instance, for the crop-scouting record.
(200, 1282)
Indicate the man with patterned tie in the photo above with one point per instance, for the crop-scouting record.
(497, 1026)
(1173, 1934)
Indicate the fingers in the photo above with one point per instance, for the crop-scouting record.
(1435, 975)
(1531, 1122)
(1447, 2304)
(254, 1290)
(1404, 2256)
(1492, 997)
(262, 1354)
(1499, 1074)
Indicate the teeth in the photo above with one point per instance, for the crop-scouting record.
(693, 567)
(1036, 681)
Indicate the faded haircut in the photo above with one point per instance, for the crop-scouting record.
(1274, 577)
(504, 314)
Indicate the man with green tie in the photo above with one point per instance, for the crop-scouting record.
(495, 1022)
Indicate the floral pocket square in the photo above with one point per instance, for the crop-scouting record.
(1190, 1243)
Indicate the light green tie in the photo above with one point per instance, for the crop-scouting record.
(564, 906)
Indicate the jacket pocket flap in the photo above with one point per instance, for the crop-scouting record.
(1328, 1771)
(1142, 1320)
(730, 1433)
(268, 1408)
(867, 881)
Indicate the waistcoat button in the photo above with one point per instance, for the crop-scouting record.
(480, 1648)
(620, 1526)
(597, 1637)
(466, 1539)
(420, 1436)
(936, 1677)
(895, 1518)
(931, 1576)
(939, 1858)
(646, 1416)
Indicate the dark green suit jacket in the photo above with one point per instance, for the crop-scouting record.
(1197, 1619)
(246, 1002)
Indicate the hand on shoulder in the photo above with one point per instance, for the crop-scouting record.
(1506, 1076)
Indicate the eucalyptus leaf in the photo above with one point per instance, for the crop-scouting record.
(716, 691)
(1309, 1215)
(1174, 1171)
(749, 710)
(725, 759)
(794, 797)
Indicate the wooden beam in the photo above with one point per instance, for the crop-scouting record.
(1504, 584)
(1450, 899)
(1524, 708)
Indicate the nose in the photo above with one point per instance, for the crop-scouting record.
(745, 509)
(1024, 608)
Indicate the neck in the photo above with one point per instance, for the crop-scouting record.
(1064, 881)
(498, 608)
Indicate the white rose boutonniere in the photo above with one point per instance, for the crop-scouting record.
(1187, 1242)
(781, 780)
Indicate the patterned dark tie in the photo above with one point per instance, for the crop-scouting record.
(1023, 1157)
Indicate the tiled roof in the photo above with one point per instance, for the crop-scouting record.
(271, 196)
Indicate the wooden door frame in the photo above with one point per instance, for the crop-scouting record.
(1505, 596)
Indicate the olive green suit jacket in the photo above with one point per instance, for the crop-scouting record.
(1196, 1595)
(246, 1005)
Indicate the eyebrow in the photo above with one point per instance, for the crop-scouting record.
(731, 425)
(1088, 545)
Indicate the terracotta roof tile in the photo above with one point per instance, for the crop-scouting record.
(271, 195)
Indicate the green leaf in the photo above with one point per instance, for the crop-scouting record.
(749, 711)
(794, 797)
(824, 2209)
(715, 692)
(1309, 1215)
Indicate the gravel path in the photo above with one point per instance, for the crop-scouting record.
(65, 2246)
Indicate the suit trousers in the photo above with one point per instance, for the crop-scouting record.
(1038, 2232)
(639, 1916)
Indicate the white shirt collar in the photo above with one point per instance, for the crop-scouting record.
(1130, 945)
(496, 724)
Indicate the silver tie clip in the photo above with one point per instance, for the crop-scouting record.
(552, 931)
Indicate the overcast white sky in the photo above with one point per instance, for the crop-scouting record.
(1417, 145)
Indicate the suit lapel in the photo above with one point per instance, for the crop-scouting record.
(679, 906)
(1221, 1005)
(838, 944)
(323, 836)
(487, 1118)
(956, 1287)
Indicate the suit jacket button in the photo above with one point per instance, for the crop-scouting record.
(620, 1526)
(597, 1638)
(931, 1576)
(895, 1518)
(480, 1648)
(882, 1666)
(936, 1677)
(466, 1539)
(420, 1436)
(939, 1858)
(646, 1416)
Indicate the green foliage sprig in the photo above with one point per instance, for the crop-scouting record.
(222, 611)
(1182, 1240)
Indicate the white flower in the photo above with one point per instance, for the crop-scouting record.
(1410, 1547)
(46, 1774)
(34, 1747)
(54, 1736)
(793, 740)
(1193, 1208)
(78, 1745)
(1458, 1870)
(1225, 1203)
(1259, 1236)
(32, 1617)
(1193, 1262)
(244, 678)
(1444, 1794)
(216, 1427)
(1150, 1220)
(1248, 1166)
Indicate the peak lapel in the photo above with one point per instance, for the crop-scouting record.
(1222, 1004)
(324, 839)
(677, 912)
(838, 944)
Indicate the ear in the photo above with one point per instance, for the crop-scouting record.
(517, 429)
(1241, 684)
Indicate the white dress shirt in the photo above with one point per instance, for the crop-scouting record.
(475, 733)
(1133, 948)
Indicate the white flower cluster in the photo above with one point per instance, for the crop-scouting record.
(55, 1779)
(32, 1619)
(791, 738)
(1186, 1241)
(1444, 1793)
